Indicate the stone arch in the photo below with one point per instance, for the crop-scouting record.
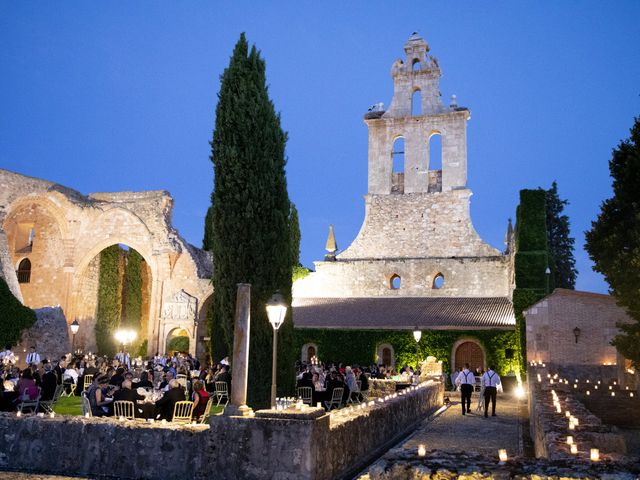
(468, 349)
(438, 281)
(416, 102)
(435, 150)
(308, 351)
(177, 332)
(203, 335)
(395, 281)
(54, 210)
(386, 353)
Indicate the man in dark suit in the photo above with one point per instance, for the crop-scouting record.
(118, 378)
(60, 367)
(164, 406)
(49, 383)
(127, 394)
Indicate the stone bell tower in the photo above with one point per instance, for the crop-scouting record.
(417, 238)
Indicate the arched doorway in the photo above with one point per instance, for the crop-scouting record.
(178, 341)
(309, 351)
(386, 355)
(468, 351)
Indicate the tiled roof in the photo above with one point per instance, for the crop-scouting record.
(398, 313)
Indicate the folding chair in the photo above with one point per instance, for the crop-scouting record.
(124, 408)
(354, 395)
(207, 411)
(72, 389)
(47, 405)
(182, 412)
(336, 398)
(88, 380)
(32, 404)
(222, 393)
(86, 405)
(306, 393)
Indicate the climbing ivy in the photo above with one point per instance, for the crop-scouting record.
(359, 347)
(109, 307)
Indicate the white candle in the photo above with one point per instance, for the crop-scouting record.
(422, 450)
(571, 426)
(595, 455)
(87, 415)
(613, 394)
(52, 415)
(502, 455)
(569, 440)
(567, 414)
(588, 392)
(574, 448)
(631, 394)
(19, 414)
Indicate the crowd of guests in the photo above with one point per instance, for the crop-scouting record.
(166, 379)
(354, 380)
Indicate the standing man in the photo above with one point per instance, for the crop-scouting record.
(33, 357)
(466, 381)
(490, 380)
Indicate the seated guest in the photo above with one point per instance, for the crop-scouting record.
(305, 380)
(165, 406)
(168, 376)
(224, 376)
(144, 381)
(126, 393)
(200, 399)
(118, 378)
(70, 376)
(99, 402)
(364, 382)
(49, 383)
(26, 386)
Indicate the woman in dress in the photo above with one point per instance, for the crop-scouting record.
(200, 399)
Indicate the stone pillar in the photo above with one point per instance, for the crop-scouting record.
(240, 368)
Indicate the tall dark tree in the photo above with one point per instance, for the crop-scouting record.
(295, 235)
(251, 237)
(613, 243)
(560, 244)
(207, 240)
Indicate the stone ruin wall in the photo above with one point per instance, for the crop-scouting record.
(70, 231)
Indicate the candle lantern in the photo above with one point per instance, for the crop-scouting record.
(595, 455)
(569, 440)
(422, 450)
(502, 455)
(574, 448)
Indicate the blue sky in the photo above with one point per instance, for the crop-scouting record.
(108, 96)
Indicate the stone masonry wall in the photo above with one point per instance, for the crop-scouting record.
(463, 277)
(49, 335)
(551, 322)
(247, 448)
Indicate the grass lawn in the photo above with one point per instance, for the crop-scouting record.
(73, 406)
(69, 406)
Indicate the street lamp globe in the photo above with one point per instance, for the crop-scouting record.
(276, 310)
(417, 335)
(75, 326)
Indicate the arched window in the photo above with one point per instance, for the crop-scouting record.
(435, 152)
(386, 355)
(394, 282)
(309, 353)
(24, 271)
(416, 103)
(438, 281)
(398, 155)
(416, 65)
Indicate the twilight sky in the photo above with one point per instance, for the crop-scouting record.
(108, 96)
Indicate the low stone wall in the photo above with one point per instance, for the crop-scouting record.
(549, 429)
(381, 388)
(259, 447)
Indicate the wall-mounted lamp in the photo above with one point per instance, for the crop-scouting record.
(576, 333)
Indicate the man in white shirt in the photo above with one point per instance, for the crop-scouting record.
(466, 381)
(33, 357)
(490, 381)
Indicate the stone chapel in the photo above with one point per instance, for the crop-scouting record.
(417, 262)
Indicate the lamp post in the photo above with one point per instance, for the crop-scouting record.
(417, 335)
(576, 333)
(75, 326)
(547, 274)
(276, 311)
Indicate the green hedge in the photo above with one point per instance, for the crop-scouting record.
(359, 347)
(530, 270)
(531, 229)
(14, 317)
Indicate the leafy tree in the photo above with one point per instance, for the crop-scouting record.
(208, 225)
(613, 243)
(251, 236)
(14, 317)
(561, 260)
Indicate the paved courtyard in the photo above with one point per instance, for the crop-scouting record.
(472, 433)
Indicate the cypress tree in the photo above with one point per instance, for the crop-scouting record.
(208, 225)
(251, 238)
(561, 260)
(295, 235)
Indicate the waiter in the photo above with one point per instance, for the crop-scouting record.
(466, 381)
(33, 357)
(490, 381)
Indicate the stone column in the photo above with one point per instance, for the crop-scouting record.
(240, 368)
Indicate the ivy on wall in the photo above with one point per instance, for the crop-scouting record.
(109, 307)
(359, 347)
(531, 261)
(178, 344)
(14, 317)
